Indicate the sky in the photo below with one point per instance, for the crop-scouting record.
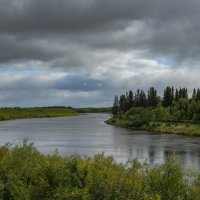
(81, 53)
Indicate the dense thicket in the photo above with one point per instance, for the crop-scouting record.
(26, 174)
(173, 105)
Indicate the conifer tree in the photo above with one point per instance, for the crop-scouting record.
(130, 99)
(168, 97)
(176, 98)
(152, 97)
(198, 95)
(123, 105)
(142, 99)
(115, 107)
(194, 94)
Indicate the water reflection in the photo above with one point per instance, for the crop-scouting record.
(88, 135)
(156, 148)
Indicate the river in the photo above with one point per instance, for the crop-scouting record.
(89, 135)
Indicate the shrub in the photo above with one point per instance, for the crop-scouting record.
(27, 174)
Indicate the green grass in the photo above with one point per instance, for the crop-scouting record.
(26, 174)
(21, 113)
(181, 128)
(177, 128)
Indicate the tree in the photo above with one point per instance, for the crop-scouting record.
(152, 97)
(130, 99)
(194, 95)
(123, 105)
(142, 99)
(115, 107)
(168, 97)
(198, 95)
(176, 98)
(183, 93)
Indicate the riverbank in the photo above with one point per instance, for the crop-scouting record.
(28, 174)
(38, 112)
(181, 128)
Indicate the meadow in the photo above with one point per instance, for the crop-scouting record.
(35, 112)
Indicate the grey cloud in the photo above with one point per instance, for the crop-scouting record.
(45, 30)
(13, 48)
(68, 15)
(100, 44)
(30, 15)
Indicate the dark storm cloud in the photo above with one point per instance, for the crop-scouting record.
(26, 15)
(163, 28)
(13, 48)
(82, 15)
(71, 15)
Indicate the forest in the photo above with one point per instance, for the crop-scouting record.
(174, 111)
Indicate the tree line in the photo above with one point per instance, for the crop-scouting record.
(175, 102)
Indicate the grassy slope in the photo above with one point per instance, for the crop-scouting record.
(162, 127)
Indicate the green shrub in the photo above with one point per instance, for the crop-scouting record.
(27, 174)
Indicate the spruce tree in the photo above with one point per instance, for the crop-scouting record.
(142, 99)
(176, 98)
(194, 94)
(115, 107)
(198, 95)
(167, 97)
(123, 104)
(130, 99)
(152, 97)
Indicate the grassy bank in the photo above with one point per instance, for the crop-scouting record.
(21, 113)
(181, 128)
(27, 174)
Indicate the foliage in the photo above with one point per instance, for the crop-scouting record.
(27, 174)
(40, 112)
(181, 106)
(175, 107)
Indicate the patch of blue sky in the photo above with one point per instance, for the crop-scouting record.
(19, 70)
(29, 70)
(168, 61)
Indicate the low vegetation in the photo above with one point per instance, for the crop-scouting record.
(40, 112)
(27, 174)
(175, 112)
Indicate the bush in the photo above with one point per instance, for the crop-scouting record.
(27, 174)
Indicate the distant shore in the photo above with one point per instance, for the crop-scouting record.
(181, 128)
(37, 112)
(45, 112)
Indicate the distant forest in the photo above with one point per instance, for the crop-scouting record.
(173, 105)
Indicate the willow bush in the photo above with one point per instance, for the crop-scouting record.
(25, 173)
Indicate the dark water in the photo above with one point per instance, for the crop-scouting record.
(88, 135)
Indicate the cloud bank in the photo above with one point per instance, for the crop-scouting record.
(83, 52)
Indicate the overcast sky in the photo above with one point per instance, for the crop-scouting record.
(82, 52)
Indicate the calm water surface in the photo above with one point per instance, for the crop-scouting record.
(89, 135)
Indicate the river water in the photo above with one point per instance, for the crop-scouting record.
(89, 135)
